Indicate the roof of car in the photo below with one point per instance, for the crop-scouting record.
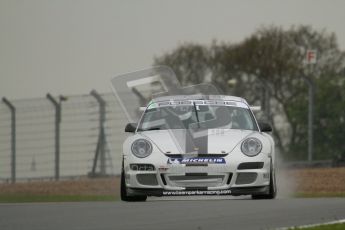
(199, 97)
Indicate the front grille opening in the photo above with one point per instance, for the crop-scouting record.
(195, 176)
(246, 178)
(229, 178)
(251, 165)
(142, 167)
(147, 179)
(196, 180)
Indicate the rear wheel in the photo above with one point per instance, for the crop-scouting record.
(272, 187)
(124, 193)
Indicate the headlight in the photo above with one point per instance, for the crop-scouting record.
(251, 146)
(141, 148)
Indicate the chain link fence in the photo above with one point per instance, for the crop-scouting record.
(61, 137)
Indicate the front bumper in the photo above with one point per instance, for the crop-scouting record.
(199, 179)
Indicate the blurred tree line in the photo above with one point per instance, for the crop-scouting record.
(268, 69)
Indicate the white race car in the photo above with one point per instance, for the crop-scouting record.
(198, 145)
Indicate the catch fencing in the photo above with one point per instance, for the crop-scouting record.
(61, 137)
(54, 138)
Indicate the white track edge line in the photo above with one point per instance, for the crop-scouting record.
(313, 225)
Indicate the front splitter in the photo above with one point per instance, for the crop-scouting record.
(201, 191)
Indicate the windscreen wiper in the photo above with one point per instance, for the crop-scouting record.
(149, 129)
(196, 113)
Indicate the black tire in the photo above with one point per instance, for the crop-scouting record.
(124, 194)
(272, 188)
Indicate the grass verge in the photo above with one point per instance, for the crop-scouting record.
(54, 198)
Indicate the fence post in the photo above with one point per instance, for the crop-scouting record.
(100, 150)
(311, 91)
(57, 106)
(13, 138)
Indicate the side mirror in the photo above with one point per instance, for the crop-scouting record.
(131, 127)
(265, 127)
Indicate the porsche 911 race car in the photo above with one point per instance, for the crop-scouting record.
(198, 145)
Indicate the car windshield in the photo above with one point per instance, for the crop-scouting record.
(197, 117)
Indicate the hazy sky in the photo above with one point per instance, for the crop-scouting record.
(71, 47)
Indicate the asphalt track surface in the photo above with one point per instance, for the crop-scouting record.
(172, 213)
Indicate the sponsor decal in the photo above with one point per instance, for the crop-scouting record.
(197, 160)
(196, 192)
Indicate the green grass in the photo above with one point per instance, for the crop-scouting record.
(54, 198)
(319, 194)
(324, 227)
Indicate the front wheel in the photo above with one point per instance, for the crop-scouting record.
(272, 187)
(124, 194)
